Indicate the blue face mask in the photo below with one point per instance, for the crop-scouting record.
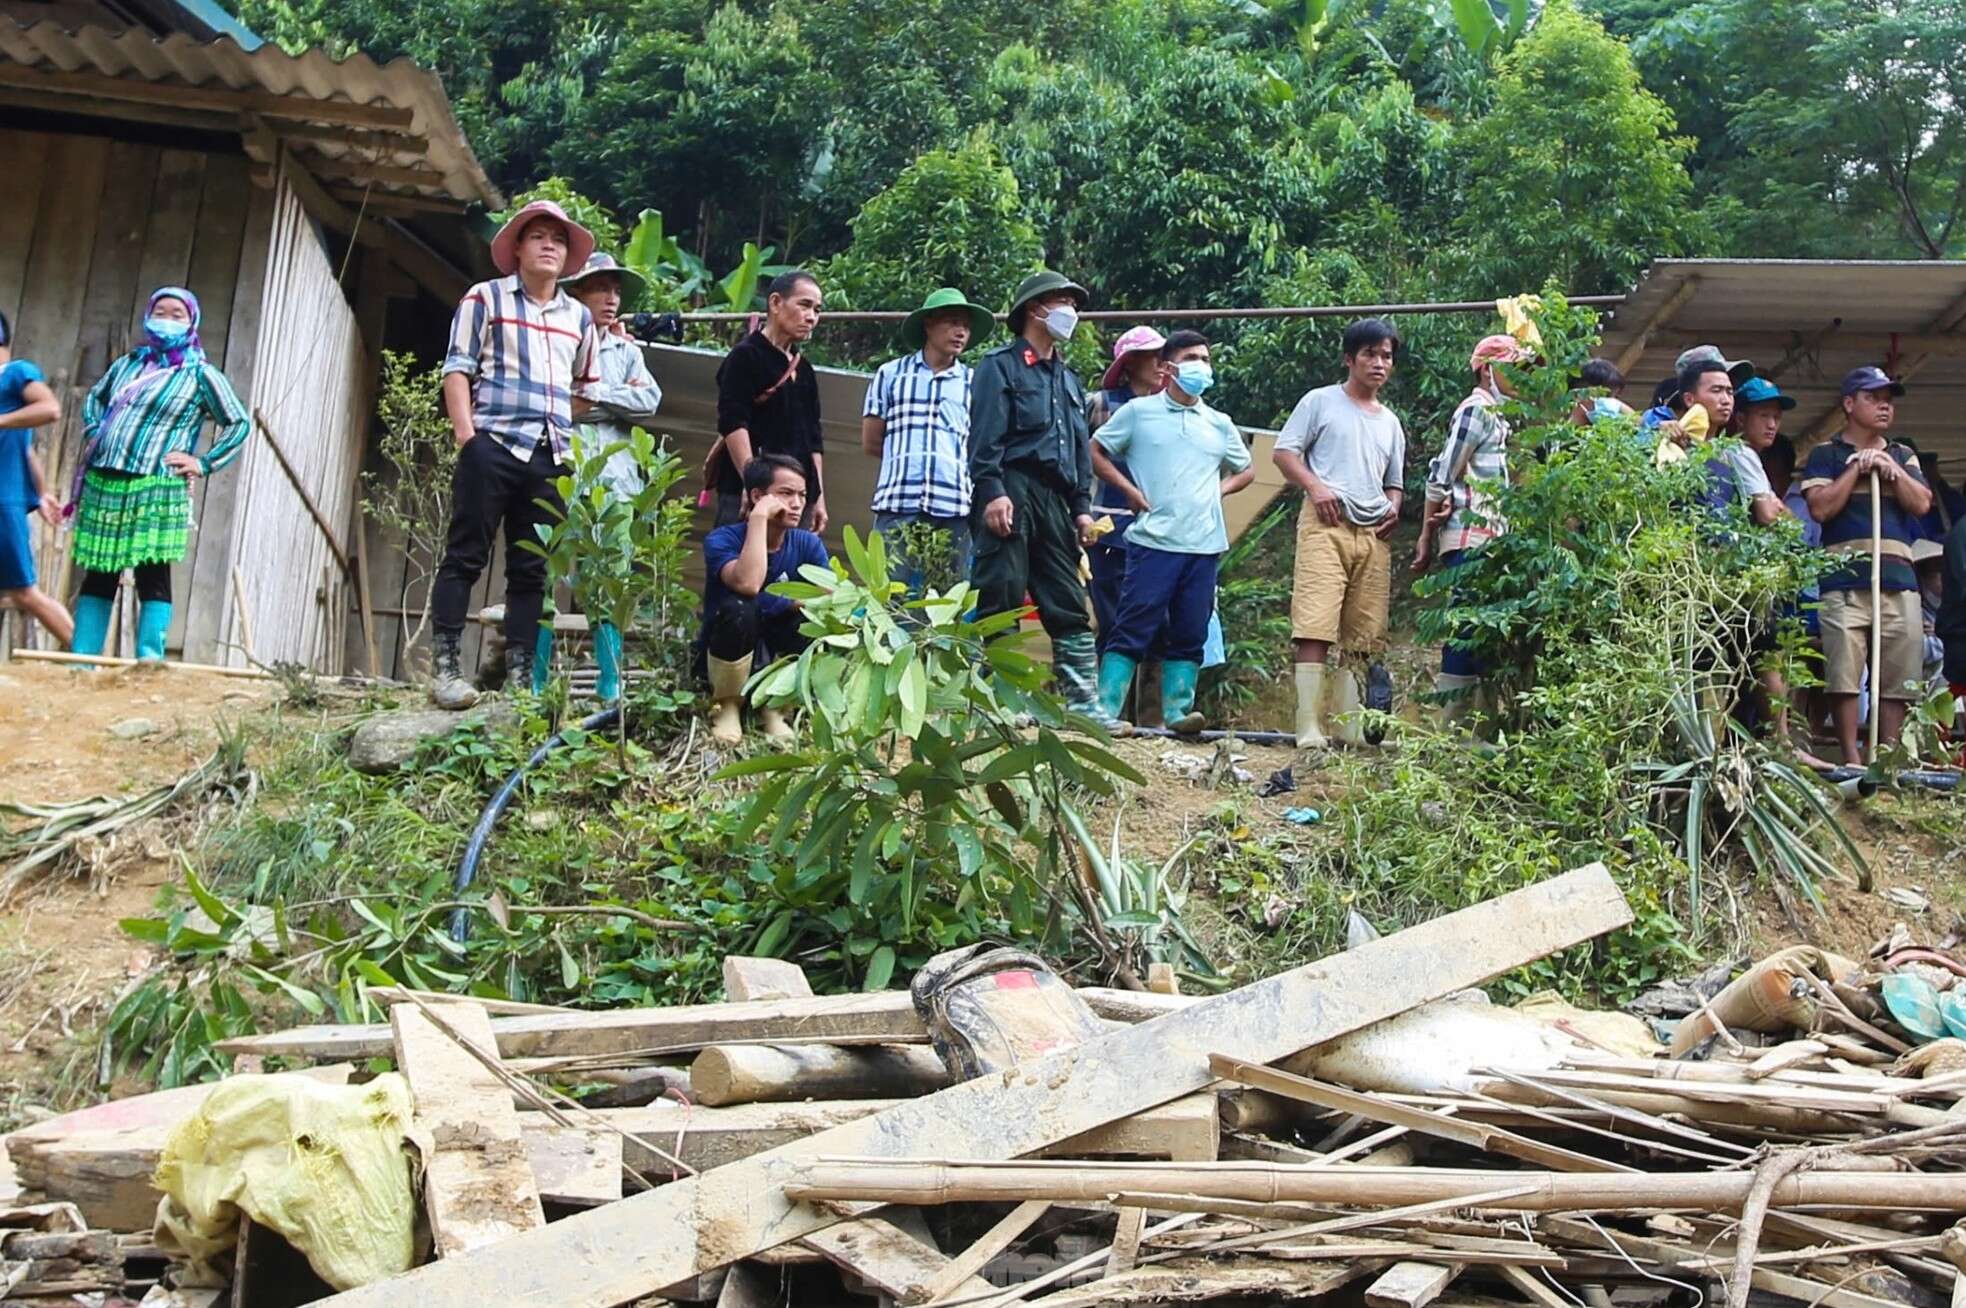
(1194, 377)
(167, 333)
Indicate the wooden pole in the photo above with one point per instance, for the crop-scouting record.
(300, 489)
(245, 615)
(920, 1181)
(1876, 611)
(763, 1074)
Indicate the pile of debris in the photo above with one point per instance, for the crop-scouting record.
(1363, 1125)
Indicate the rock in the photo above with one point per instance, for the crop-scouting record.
(388, 740)
(133, 728)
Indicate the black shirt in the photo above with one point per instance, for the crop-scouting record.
(1030, 411)
(787, 423)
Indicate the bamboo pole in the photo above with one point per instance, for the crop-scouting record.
(1876, 611)
(938, 1182)
(105, 661)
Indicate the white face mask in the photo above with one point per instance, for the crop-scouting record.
(1061, 320)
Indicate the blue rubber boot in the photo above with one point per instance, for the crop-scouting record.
(153, 625)
(1177, 697)
(91, 624)
(1115, 679)
(542, 658)
(607, 653)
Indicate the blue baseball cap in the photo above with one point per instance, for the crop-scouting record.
(1759, 390)
(1870, 377)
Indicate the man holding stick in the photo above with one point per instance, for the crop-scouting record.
(1867, 493)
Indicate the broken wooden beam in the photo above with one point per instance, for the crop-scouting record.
(1410, 1284)
(478, 1186)
(879, 1179)
(888, 1259)
(619, 1252)
(769, 1074)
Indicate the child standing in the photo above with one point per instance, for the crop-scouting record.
(25, 403)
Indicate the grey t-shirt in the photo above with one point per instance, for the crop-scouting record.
(1359, 455)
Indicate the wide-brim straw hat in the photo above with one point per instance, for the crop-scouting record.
(505, 245)
(602, 262)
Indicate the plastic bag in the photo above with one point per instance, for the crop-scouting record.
(324, 1166)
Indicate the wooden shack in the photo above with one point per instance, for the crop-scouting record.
(319, 209)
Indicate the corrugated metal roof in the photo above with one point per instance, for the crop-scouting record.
(1808, 322)
(178, 61)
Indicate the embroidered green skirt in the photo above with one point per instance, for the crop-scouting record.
(126, 521)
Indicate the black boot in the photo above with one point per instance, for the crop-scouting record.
(448, 688)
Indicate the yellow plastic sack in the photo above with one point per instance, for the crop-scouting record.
(1611, 1032)
(325, 1166)
(1696, 426)
(1515, 311)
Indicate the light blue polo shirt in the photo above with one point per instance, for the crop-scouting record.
(1178, 454)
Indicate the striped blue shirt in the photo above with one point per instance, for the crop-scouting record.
(527, 361)
(925, 455)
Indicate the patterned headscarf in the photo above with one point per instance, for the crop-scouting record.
(156, 352)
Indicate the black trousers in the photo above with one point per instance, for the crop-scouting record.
(153, 583)
(737, 630)
(1039, 557)
(493, 488)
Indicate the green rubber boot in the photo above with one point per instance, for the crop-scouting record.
(607, 653)
(1177, 698)
(1115, 679)
(542, 658)
(1075, 667)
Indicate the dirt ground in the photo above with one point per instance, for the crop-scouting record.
(67, 735)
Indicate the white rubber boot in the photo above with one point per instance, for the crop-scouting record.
(727, 695)
(1310, 706)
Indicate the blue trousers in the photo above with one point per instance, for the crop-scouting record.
(1455, 661)
(1108, 559)
(1164, 605)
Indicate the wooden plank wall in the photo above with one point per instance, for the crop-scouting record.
(93, 225)
(310, 384)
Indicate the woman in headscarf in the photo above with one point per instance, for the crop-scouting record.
(143, 421)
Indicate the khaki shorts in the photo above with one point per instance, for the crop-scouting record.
(1342, 584)
(1846, 642)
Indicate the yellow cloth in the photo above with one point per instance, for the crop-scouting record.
(1696, 427)
(1515, 311)
(325, 1166)
(1612, 1032)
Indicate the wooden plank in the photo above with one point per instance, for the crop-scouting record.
(888, 1259)
(211, 575)
(992, 1242)
(1410, 1284)
(23, 162)
(573, 1166)
(1493, 1139)
(764, 978)
(886, 1018)
(213, 275)
(716, 1137)
(64, 234)
(1195, 1280)
(1532, 1287)
(478, 1185)
(111, 309)
(613, 1254)
(1126, 1240)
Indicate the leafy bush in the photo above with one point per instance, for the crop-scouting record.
(409, 495)
(900, 827)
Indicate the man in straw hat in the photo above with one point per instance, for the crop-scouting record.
(625, 397)
(1030, 457)
(916, 422)
(1836, 483)
(520, 350)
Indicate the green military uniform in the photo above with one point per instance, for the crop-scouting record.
(1029, 441)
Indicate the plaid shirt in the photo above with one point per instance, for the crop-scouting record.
(1477, 450)
(527, 362)
(161, 413)
(925, 458)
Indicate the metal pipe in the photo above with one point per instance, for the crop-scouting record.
(1163, 315)
(474, 849)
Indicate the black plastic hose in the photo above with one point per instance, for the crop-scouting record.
(1930, 780)
(467, 868)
